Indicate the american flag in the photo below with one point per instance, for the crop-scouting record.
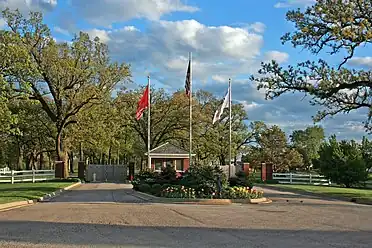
(188, 79)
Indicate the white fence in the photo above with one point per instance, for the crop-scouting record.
(294, 178)
(26, 176)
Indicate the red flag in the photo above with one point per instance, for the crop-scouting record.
(143, 103)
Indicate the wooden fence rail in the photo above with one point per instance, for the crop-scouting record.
(294, 178)
(26, 176)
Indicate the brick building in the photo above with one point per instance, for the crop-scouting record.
(169, 154)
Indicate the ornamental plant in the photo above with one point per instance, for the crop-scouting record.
(178, 192)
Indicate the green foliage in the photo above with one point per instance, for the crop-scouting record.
(273, 148)
(156, 189)
(204, 179)
(342, 162)
(366, 148)
(307, 142)
(168, 174)
(65, 78)
(242, 179)
(326, 28)
(144, 187)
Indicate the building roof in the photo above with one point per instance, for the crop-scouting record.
(169, 149)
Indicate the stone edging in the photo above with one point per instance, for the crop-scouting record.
(148, 197)
(11, 205)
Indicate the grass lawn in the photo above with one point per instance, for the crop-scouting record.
(28, 191)
(332, 191)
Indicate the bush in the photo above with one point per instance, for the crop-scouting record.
(156, 189)
(342, 162)
(204, 179)
(168, 175)
(144, 188)
(242, 179)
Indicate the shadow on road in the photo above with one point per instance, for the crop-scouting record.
(79, 234)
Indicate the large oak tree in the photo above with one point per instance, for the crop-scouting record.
(335, 27)
(65, 77)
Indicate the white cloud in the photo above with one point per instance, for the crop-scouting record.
(361, 61)
(217, 50)
(29, 5)
(294, 3)
(106, 12)
(258, 27)
(61, 30)
(279, 57)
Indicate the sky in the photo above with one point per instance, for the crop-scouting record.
(228, 39)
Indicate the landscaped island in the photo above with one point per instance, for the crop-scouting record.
(199, 182)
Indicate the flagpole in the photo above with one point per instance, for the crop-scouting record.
(148, 123)
(229, 127)
(190, 105)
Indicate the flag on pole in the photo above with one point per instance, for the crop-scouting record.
(143, 103)
(219, 111)
(188, 79)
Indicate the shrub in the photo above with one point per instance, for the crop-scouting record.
(242, 179)
(342, 162)
(144, 188)
(168, 175)
(204, 179)
(156, 189)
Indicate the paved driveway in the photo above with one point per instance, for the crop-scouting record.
(111, 215)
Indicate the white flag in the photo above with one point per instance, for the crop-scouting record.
(224, 105)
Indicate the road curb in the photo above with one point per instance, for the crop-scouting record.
(57, 193)
(318, 195)
(148, 197)
(12, 205)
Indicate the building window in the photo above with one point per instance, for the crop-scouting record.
(169, 162)
(179, 165)
(158, 164)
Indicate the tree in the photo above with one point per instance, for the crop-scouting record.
(366, 148)
(342, 162)
(65, 78)
(169, 119)
(307, 142)
(273, 148)
(333, 26)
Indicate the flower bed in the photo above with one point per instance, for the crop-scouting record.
(177, 191)
(199, 183)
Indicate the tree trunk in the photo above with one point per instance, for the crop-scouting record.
(61, 155)
(109, 155)
(81, 152)
(72, 162)
(20, 157)
(41, 161)
(28, 163)
(59, 146)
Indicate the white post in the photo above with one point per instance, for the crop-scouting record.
(311, 181)
(148, 124)
(33, 175)
(12, 176)
(290, 178)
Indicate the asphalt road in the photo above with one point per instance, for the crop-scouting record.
(112, 215)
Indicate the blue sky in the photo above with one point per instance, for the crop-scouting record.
(227, 39)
